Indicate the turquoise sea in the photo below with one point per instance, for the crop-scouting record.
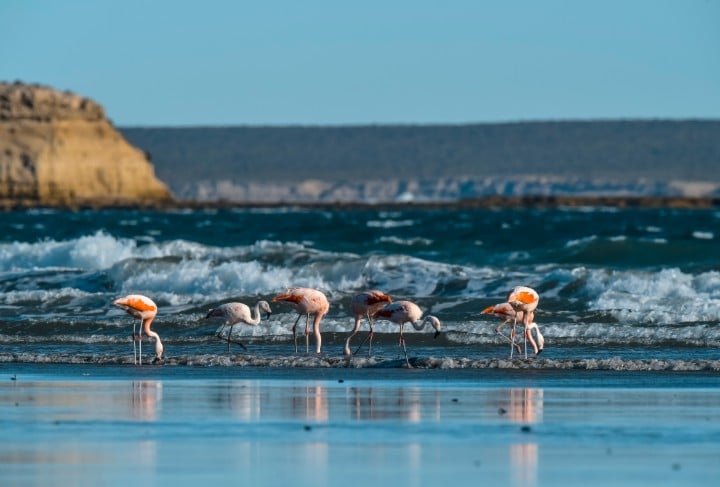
(617, 287)
(626, 391)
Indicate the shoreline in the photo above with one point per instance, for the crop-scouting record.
(489, 202)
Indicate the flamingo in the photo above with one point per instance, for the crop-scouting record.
(365, 304)
(144, 309)
(306, 301)
(506, 312)
(523, 299)
(233, 313)
(402, 312)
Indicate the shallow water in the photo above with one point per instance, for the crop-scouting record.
(118, 425)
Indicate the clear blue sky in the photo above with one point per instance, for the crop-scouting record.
(321, 62)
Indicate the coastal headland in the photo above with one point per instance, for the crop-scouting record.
(60, 150)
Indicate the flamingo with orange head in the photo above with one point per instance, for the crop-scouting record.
(506, 313)
(525, 299)
(144, 309)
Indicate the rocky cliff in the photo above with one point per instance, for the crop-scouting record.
(58, 148)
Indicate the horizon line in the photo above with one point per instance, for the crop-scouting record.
(599, 120)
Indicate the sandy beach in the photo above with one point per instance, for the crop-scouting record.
(119, 425)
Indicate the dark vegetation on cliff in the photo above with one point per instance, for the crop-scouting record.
(619, 150)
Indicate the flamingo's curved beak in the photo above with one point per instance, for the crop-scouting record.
(437, 334)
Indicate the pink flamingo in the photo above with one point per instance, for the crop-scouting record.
(402, 312)
(365, 304)
(306, 301)
(506, 313)
(233, 313)
(523, 299)
(144, 309)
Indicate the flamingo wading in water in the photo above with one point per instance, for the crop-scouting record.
(233, 313)
(523, 299)
(144, 309)
(402, 312)
(508, 314)
(365, 305)
(306, 301)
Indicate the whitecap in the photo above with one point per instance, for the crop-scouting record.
(405, 241)
(96, 251)
(390, 223)
(663, 297)
(580, 241)
(44, 298)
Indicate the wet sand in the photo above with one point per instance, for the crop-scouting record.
(120, 425)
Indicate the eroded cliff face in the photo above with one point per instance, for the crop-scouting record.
(58, 148)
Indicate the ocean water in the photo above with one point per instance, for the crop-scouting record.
(619, 289)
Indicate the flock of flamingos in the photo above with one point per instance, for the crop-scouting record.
(519, 306)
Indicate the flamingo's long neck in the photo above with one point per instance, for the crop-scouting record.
(418, 325)
(150, 333)
(255, 315)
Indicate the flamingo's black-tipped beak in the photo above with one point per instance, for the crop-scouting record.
(437, 334)
(209, 313)
(267, 316)
(539, 352)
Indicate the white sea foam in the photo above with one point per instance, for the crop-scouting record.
(328, 361)
(97, 251)
(406, 241)
(390, 223)
(42, 298)
(180, 275)
(665, 296)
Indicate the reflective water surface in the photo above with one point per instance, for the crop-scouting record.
(327, 431)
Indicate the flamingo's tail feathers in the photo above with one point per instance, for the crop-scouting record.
(288, 296)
